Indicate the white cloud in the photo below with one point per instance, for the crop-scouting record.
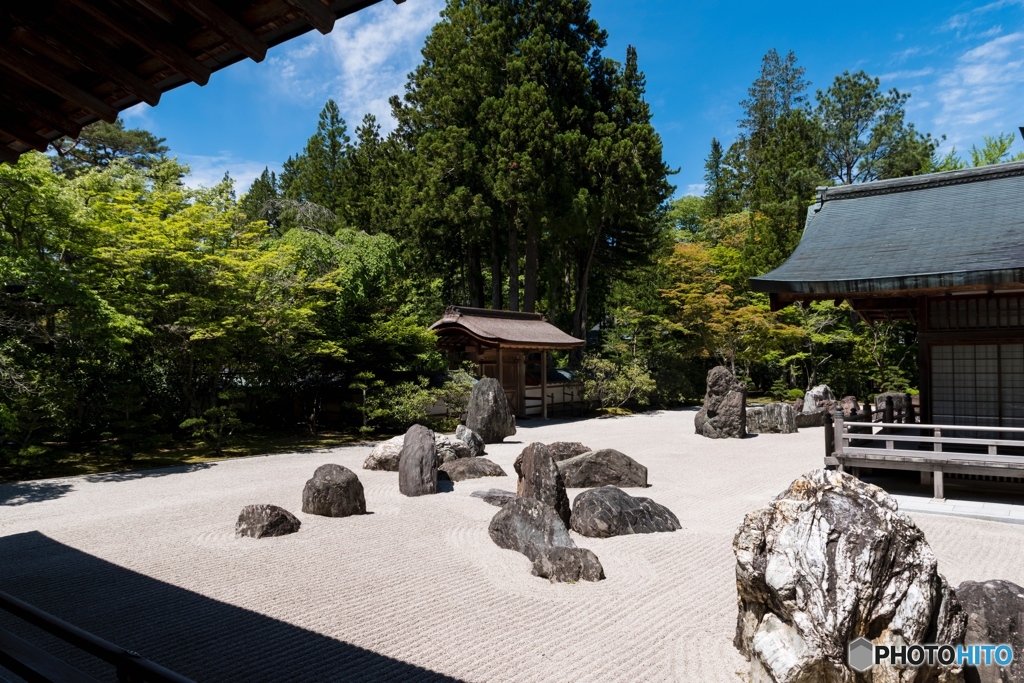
(208, 170)
(362, 63)
(904, 75)
(983, 93)
(695, 190)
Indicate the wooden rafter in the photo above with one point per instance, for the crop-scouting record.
(315, 13)
(247, 42)
(18, 63)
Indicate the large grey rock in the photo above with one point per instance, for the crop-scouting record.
(536, 530)
(805, 420)
(606, 467)
(417, 468)
(610, 511)
(449, 449)
(995, 615)
(818, 399)
(488, 413)
(563, 450)
(258, 521)
(798, 405)
(828, 561)
(539, 478)
(850, 406)
(497, 497)
(334, 491)
(724, 413)
(471, 439)
(471, 468)
(773, 418)
(384, 456)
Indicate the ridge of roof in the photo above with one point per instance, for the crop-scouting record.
(491, 313)
(921, 182)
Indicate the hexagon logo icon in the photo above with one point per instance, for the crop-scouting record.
(861, 654)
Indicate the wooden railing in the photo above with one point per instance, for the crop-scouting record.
(931, 449)
(34, 664)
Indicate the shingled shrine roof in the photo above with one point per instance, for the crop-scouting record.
(502, 328)
(959, 229)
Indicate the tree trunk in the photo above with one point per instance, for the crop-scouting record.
(513, 266)
(530, 288)
(495, 269)
(579, 316)
(475, 276)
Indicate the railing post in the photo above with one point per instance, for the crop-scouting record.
(830, 436)
(838, 437)
(937, 446)
(887, 414)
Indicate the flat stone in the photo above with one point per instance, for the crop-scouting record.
(773, 418)
(610, 511)
(497, 497)
(539, 478)
(606, 467)
(334, 491)
(417, 468)
(471, 468)
(259, 521)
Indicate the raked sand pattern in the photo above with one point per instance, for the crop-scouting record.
(416, 591)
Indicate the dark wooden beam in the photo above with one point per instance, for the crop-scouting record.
(8, 155)
(23, 133)
(18, 63)
(17, 99)
(315, 13)
(64, 43)
(146, 38)
(233, 31)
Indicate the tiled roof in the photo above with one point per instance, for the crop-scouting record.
(940, 230)
(504, 328)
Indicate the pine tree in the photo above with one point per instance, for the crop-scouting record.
(320, 173)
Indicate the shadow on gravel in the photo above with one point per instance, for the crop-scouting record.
(196, 636)
(32, 492)
(131, 475)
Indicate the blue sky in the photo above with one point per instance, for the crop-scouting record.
(963, 63)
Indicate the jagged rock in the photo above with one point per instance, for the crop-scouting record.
(471, 439)
(539, 478)
(334, 491)
(609, 511)
(724, 413)
(471, 468)
(850, 406)
(449, 449)
(488, 413)
(804, 420)
(258, 521)
(798, 405)
(563, 450)
(496, 497)
(536, 530)
(417, 468)
(819, 399)
(828, 561)
(385, 455)
(773, 418)
(606, 467)
(995, 615)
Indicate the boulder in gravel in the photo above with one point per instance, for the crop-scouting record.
(850, 406)
(489, 413)
(449, 449)
(539, 478)
(417, 468)
(819, 399)
(900, 401)
(536, 530)
(798, 405)
(496, 497)
(385, 455)
(471, 439)
(471, 468)
(610, 511)
(995, 615)
(828, 561)
(724, 413)
(805, 420)
(773, 418)
(606, 467)
(563, 450)
(258, 521)
(334, 491)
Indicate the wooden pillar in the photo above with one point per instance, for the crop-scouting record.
(501, 378)
(521, 383)
(544, 384)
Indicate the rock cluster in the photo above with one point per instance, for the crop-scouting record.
(828, 561)
(258, 521)
(471, 439)
(385, 455)
(334, 491)
(724, 413)
(563, 450)
(609, 511)
(536, 530)
(540, 479)
(471, 468)
(773, 418)
(417, 467)
(488, 413)
(606, 467)
(900, 401)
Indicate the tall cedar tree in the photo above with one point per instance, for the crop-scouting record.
(320, 174)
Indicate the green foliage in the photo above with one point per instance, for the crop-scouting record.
(398, 406)
(101, 144)
(613, 385)
(219, 423)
